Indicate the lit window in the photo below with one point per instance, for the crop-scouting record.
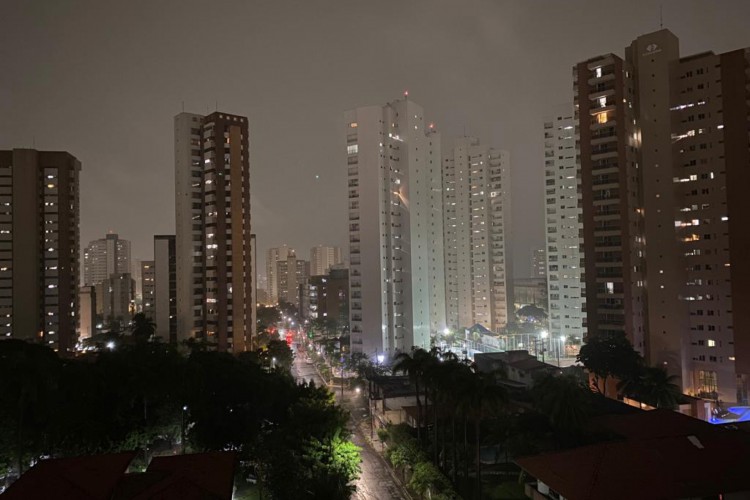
(711, 343)
(353, 125)
(598, 72)
(601, 117)
(352, 149)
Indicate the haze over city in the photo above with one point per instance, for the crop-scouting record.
(104, 79)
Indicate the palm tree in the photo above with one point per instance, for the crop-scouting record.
(658, 388)
(563, 400)
(143, 328)
(482, 396)
(413, 365)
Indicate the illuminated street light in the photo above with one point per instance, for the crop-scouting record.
(111, 345)
(544, 334)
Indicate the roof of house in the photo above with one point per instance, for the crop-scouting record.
(663, 455)
(201, 476)
(77, 478)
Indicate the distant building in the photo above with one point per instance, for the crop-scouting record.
(213, 243)
(39, 252)
(87, 312)
(530, 291)
(476, 197)
(148, 276)
(116, 299)
(563, 227)
(104, 257)
(273, 256)
(165, 287)
(322, 258)
(329, 296)
(292, 273)
(397, 282)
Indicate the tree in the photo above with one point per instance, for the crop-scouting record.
(563, 401)
(532, 313)
(143, 328)
(428, 479)
(267, 316)
(413, 365)
(654, 386)
(482, 396)
(609, 355)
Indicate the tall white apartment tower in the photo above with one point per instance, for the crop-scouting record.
(397, 283)
(104, 257)
(563, 227)
(322, 258)
(476, 197)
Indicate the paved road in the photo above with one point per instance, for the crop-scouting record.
(375, 482)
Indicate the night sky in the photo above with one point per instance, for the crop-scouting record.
(103, 80)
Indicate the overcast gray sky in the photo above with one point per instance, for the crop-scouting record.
(103, 80)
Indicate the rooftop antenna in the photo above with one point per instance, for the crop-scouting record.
(217, 105)
(661, 16)
(183, 106)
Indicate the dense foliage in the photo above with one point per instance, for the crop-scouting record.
(146, 395)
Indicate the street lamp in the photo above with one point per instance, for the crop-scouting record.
(381, 358)
(184, 411)
(273, 362)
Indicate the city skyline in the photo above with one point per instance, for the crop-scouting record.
(300, 139)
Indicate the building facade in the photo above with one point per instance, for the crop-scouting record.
(664, 145)
(322, 258)
(87, 312)
(539, 262)
(273, 256)
(213, 248)
(564, 256)
(148, 281)
(397, 282)
(329, 297)
(165, 287)
(292, 274)
(476, 197)
(104, 257)
(39, 252)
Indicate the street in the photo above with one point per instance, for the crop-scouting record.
(375, 481)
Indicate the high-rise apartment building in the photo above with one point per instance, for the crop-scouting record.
(115, 300)
(476, 197)
(148, 273)
(165, 287)
(214, 274)
(39, 238)
(329, 297)
(322, 258)
(273, 256)
(292, 273)
(397, 282)
(664, 155)
(104, 257)
(87, 312)
(538, 263)
(563, 268)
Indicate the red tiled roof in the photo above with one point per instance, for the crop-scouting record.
(79, 478)
(663, 456)
(198, 476)
(202, 476)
